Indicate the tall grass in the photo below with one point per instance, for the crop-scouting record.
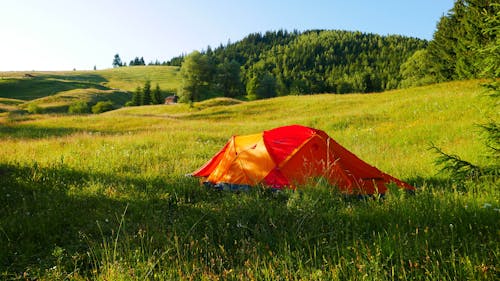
(105, 197)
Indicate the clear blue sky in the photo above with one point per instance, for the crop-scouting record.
(67, 34)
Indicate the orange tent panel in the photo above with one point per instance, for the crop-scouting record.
(291, 156)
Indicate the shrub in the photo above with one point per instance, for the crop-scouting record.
(102, 106)
(34, 108)
(79, 108)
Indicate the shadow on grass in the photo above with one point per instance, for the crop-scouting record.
(28, 131)
(34, 132)
(93, 78)
(43, 210)
(38, 87)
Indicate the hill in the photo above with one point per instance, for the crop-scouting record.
(55, 91)
(315, 61)
(104, 196)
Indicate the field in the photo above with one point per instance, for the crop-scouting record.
(105, 197)
(54, 92)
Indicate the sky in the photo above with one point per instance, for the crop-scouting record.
(80, 34)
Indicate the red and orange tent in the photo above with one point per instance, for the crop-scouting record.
(291, 156)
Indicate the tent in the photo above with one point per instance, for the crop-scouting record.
(289, 157)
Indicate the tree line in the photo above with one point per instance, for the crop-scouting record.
(146, 96)
(117, 62)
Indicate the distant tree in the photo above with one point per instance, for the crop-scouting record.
(117, 61)
(261, 87)
(156, 96)
(35, 108)
(228, 79)
(417, 70)
(102, 106)
(79, 108)
(137, 61)
(196, 72)
(137, 96)
(176, 61)
(146, 93)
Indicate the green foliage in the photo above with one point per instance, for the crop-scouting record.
(417, 70)
(228, 79)
(117, 61)
(79, 108)
(156, 96)
(137, 96)
(146, 96)
(197, 72)
(281, 63)
(146, 93)
(466, 40)
(324, 61)
(261, 86)
(34, 108)
(102, 106)
(457, 167)
(137, 61)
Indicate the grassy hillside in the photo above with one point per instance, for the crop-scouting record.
(54, 91)
(104, 197)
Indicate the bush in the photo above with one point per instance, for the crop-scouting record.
(79, 108)
(34, 108)
(102, 106)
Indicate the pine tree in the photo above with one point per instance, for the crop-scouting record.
(487, 56)
(156, 95)
(146, 93)
(137, 96)
(117, 61)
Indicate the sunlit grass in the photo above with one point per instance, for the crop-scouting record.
(55, 91)
(105, 197)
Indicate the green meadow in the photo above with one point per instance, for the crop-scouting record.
(54, 92)
(105, 197)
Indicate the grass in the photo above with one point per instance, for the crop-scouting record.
(104, 197)
(53, 92)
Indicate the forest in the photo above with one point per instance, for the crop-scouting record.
(279, 63)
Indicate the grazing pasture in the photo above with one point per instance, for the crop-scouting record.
(105, 197)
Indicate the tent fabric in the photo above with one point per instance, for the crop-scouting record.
(292, 156)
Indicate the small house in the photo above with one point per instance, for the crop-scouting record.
(171, 99)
